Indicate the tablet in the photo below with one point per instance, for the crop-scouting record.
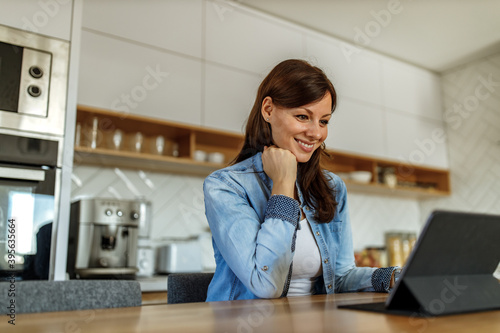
(450, 269)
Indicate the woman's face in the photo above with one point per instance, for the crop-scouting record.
(300, 130)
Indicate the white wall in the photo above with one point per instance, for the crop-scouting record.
(211, 56)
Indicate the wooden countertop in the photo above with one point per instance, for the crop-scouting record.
(317, 313)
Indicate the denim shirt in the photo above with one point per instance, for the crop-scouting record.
(253, 236)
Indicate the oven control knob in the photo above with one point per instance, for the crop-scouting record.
(134, 215)
(119, 213)
(108, 212)
(34, 91)
(36, 72)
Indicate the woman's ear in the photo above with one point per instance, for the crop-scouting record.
(267, 108)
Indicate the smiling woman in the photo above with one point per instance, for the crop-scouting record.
(292, 108)
(280, 223)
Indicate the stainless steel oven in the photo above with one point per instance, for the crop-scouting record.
(29, 193)
(33, 81)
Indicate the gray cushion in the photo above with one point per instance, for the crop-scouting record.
(47, 296)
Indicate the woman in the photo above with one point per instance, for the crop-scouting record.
(280, 224)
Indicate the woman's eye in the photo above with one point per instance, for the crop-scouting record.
(302, 117)
(325, 122)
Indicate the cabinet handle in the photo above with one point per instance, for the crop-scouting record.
(24, 174)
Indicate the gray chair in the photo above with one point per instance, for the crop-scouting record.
(187, 287)
(48, 296)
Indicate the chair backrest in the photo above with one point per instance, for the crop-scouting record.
(187, 287)
(47, 296)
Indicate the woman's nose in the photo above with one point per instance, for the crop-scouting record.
(314, 131)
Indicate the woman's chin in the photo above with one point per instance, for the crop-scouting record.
(303, 158)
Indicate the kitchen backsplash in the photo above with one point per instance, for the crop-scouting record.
(178, 209)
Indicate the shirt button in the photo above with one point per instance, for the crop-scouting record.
(329, 286)
(317, 233)
(325, 261)
(265, 268)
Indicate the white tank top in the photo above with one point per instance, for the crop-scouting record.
(306, 262)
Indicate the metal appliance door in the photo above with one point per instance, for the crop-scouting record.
(27, 213)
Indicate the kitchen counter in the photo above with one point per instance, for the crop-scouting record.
(154, 289)
(156, 283)
(317, 313)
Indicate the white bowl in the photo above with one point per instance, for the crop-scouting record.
(361, 176)
(343, 175)
(216, 157)
(200, 155)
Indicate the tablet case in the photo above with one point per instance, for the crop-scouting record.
(450, 270)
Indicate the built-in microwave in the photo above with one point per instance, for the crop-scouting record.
(33, 81)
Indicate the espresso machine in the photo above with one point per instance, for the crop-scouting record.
(103, 237)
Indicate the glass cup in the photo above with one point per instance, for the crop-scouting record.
(159, 147)
(94, 133)
(117, 139)
(137, 142)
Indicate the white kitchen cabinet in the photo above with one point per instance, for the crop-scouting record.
(229, 97)
(50, 18)
(410, 89)
(246, 41)
(355, 75)
(358, 128)
(127, 77)
(416, 141)
(174, 25)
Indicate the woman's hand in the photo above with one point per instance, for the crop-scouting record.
(281, 166)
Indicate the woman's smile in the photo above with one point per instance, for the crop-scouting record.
(307, 147)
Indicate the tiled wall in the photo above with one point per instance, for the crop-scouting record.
(472, 113)
(177, 200)
(471, 97)
(178, 210)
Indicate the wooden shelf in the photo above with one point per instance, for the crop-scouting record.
(183, 140)
(412, 181)
(131, 160)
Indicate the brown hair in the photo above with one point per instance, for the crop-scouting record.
(294, 83)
